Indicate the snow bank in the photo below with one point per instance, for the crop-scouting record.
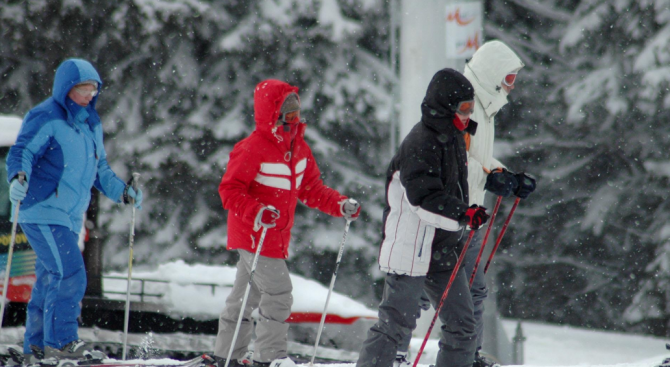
(200, 291)
(9, 129)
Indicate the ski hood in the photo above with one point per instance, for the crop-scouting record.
(70, 73)
(269, 96)
(447, 88)
(486, 71)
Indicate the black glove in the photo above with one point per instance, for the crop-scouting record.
(475, 216)
(501, 182)
(527, 185)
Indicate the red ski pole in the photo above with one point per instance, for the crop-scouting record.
(502, 232)
(486, 238)
(444, 295)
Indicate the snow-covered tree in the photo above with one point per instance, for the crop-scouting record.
(590, 120)
(589, 117)
(179, 80)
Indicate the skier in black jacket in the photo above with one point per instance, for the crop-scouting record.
(425, 225)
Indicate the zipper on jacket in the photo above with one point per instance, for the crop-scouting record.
(462, 198)
(423, 244)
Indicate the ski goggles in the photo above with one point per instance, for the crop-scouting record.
(465, 107)
(292, 117)
(85, 92)
(509, 79)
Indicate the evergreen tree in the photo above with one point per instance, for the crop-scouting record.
(589, 119)
(178, 94)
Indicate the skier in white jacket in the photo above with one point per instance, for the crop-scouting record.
(492, 72)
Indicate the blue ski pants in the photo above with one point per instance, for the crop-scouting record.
(54, 304)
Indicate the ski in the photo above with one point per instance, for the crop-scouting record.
(16, 357)
(666, 361)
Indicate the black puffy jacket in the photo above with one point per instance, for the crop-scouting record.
(426, 184)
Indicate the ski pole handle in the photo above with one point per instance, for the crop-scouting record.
(134, 183)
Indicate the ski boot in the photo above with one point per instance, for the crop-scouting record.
(484, 361)
(401, 360)
(221, 362)
(279, 362)
(666, 362)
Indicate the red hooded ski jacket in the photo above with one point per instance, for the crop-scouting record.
(267, 169)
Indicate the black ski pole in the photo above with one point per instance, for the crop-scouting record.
(444, 295)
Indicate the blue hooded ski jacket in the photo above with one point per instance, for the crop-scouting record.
(60, 148)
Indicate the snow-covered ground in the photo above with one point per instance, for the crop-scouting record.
(546, 345)
(552, 345)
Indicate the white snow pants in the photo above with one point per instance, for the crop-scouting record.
(271, 293)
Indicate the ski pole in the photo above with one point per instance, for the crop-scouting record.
(444, 295)
(486, 238)
(502, 232)
(131, 240)
(246, 294)
(330, 290)
(8, 269)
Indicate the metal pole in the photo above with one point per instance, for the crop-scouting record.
(246, 295)
(394, 67)
(330, 291)
(10, 254)
(134, 183)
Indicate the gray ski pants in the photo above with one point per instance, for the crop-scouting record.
(271, 293)
(479, 291)
(397, 318)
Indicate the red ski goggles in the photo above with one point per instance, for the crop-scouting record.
(466, 107)
(509, 79)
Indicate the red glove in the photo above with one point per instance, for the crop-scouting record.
(476, 216)
(267, 217)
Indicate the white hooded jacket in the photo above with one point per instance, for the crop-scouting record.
(486, 71)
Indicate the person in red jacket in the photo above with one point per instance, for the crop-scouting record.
(268, 172)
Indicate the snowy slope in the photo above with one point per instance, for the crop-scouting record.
(552, 345)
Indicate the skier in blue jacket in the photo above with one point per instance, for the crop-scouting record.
(60, 152)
